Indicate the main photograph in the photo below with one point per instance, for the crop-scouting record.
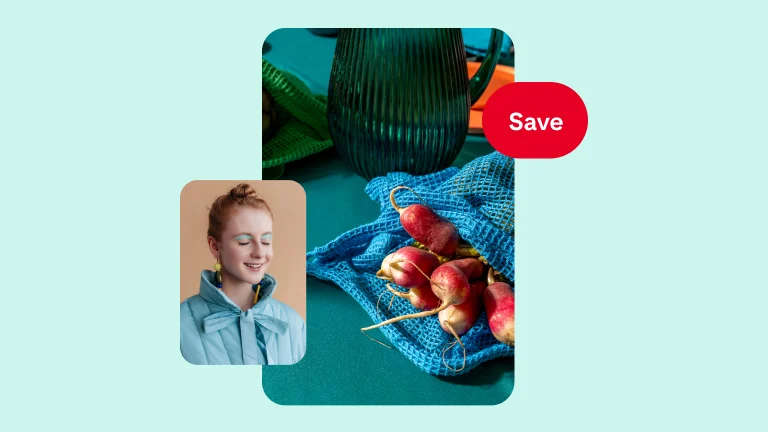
(410, 212)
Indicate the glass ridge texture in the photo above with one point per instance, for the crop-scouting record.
(399, 99)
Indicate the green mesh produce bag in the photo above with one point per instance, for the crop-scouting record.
(302, 118)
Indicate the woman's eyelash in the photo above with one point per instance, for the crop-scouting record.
(266, 244)
(244, 244)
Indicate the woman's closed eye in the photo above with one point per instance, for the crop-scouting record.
(243, 239)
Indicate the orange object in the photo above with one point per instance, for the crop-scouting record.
(502, 76)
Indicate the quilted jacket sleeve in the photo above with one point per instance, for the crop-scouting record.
(191, 342)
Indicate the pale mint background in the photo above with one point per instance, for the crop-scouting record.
(642, 299)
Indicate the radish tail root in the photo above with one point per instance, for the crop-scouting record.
(379, 301)
(458, 340)
(377, 341)
(396, 292)
(409, 316)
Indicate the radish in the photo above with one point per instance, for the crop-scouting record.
(499, 300)
(409, 267)
(427, 227)
(386, 271)
(472, 267)
(457, 320)
(449, 285)
(461, 317)
(421, 298)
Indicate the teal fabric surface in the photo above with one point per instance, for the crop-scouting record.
(215, 331)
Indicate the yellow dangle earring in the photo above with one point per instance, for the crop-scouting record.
(256, 289)
(217, 277)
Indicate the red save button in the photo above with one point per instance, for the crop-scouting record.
(535, 120)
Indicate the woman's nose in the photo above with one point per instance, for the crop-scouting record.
(257, 251)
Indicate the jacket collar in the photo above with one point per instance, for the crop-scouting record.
(216, 296)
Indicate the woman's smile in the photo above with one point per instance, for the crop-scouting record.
(255, 267)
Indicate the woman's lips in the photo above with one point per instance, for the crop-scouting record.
(254, 267)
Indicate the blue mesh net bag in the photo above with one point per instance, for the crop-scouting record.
(479, 200)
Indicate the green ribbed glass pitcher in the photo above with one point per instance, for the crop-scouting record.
(399, 99)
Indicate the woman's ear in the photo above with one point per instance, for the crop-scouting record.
(214, 247)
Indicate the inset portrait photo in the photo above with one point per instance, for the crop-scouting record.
(243, 285)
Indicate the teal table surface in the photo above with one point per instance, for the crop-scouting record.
(342, 366)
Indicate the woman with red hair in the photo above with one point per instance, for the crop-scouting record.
(234, 319)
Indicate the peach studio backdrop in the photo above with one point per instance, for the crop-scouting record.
(288, 203)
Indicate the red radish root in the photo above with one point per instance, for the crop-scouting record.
(426, 226)
(450, 284)
(471, 267)
(460, 318)
(385, 272)
(421, 298)
(499, 300)
(408, 267)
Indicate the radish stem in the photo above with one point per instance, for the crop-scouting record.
(394, 203)
(392, 199)
(467, 251)
(491, 278)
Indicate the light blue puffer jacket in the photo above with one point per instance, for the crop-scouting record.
(215, 331)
